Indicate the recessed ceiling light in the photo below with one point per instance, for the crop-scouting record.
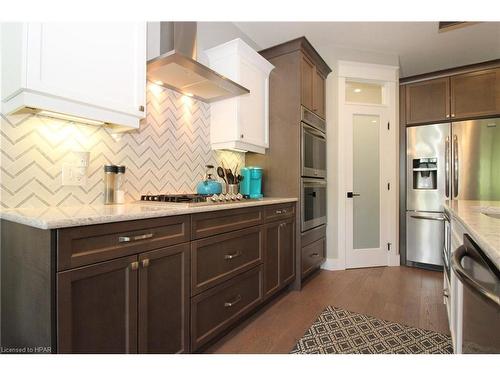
(374, 121)
(357, 90)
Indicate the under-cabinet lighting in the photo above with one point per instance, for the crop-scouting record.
(62, 116)
(158, 82)
(188, 94)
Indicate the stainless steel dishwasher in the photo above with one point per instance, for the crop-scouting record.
(481, 298)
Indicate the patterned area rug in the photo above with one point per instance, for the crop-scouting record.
(338, 331)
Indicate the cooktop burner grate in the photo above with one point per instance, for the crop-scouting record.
(175, 198)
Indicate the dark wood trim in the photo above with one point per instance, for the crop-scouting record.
(295, 45)
(451, 71)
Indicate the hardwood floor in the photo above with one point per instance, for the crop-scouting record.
(401, 294)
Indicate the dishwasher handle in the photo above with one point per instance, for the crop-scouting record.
(456, 264)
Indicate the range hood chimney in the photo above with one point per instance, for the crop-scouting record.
(176, 68)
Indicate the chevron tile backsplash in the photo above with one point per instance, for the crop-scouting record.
(167, 154)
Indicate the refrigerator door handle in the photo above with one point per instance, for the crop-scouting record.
(427, 218)
(447, 167)
(455, 166)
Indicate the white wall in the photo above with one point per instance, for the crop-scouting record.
(332, 54)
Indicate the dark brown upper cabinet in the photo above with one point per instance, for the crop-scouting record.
(97, 308)
(307, 82)
(475, 94)
(164, 300)
(312, 74)
(312, 87)
(457, 94)
(319, 96)
(428, 101)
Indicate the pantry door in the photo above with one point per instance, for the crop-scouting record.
(366, 189)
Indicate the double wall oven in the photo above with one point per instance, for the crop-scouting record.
(313, 170)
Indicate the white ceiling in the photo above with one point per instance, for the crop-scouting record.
(418, 45)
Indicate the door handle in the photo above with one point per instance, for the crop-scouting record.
(350, 194)
(447, 167)
(428, 218)
(455, 166)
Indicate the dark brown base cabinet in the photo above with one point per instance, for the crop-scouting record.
(86, 290)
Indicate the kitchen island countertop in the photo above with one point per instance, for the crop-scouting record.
(74, 216)
(484, 229)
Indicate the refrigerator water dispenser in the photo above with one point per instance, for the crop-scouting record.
(425, 173)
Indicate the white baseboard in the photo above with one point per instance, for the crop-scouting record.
(394, 260)
(333, 264)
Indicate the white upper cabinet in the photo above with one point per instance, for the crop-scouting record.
(241, 123)
(94, 71)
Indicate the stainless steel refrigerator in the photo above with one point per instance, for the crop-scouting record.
(459, 160)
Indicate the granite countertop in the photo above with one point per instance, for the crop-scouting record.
(484, 229)
(73, 216)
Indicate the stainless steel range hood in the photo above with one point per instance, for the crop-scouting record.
(176, 67)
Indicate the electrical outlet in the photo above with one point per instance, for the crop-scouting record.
(74, 171)
(74, 175)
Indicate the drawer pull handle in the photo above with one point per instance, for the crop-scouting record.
(233, 255)
(145, 263)
(135, 238)
(232, 303)
(314, 255)
(278, 212)
(134, 266)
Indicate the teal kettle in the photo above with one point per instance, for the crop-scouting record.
(209, 186)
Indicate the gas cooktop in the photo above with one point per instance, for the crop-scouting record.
(192, 198)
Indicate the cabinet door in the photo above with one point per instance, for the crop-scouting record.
(428, 101)
(164, 300)
(102, 64)
(319, 94)
(97, 308)
(475, 94)
(287, 251)
(307, 72)
(272, 259)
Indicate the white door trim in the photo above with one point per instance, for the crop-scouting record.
(387, 75)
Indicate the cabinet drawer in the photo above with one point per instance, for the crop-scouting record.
(218, 258)
(279, 212)
(312, 256)
(81, 246)
(216, 309)
(212, 223)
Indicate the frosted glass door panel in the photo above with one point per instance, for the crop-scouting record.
(366, 182)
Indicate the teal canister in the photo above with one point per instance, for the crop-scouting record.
(251, 185)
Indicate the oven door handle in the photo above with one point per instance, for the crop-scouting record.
(481, 290)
